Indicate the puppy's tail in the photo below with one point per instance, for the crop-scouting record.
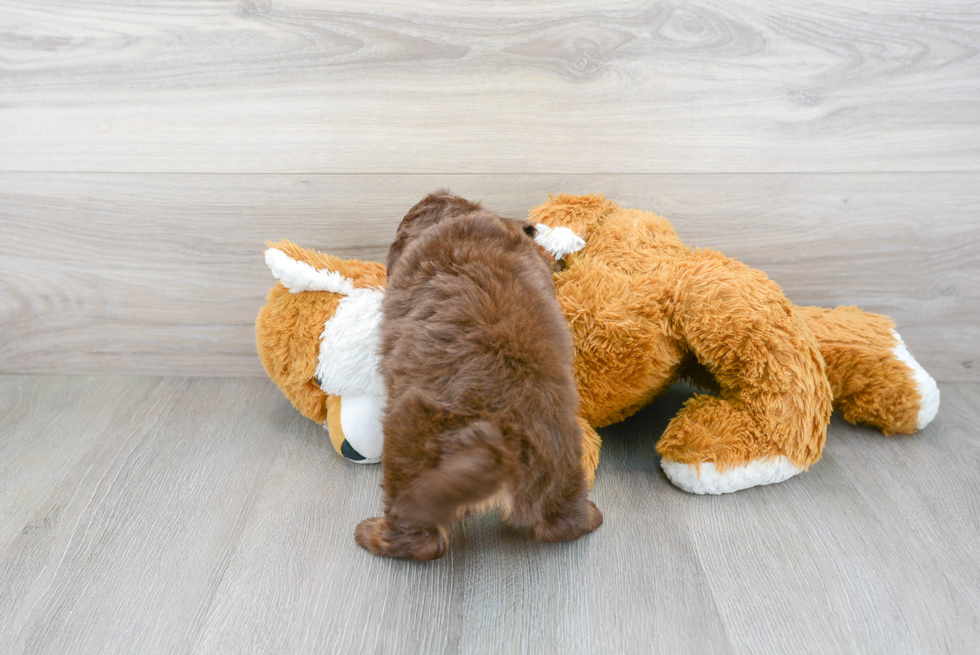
(472, 471)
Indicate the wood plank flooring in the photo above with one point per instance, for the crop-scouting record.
(186, 515)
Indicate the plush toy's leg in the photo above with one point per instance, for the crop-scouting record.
(714, 447)
(591, 443)
(769, 420)
(874, 377)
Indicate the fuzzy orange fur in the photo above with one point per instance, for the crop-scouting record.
(640, 303)
(870, 386)
(646, 310)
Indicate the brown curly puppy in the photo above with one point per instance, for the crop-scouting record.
(477, 362)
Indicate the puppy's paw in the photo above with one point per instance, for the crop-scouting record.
(432, 545)
(569, 527)
(380, 536)
(595, 516)
(369, 535)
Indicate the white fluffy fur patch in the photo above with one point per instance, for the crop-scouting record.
(713, 481)
(299, 276)
(928, 388)
(349, 343)
(559, 241)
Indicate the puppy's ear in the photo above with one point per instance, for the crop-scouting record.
(396, 249)
(426, 213)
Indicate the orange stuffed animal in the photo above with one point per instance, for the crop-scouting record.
(645, 311)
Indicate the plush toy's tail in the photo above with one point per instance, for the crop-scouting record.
(874, 378)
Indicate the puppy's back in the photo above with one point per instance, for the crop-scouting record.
(473, 299)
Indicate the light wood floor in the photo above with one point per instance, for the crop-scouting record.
(148, 515)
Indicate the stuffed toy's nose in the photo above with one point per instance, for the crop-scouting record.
(360, 422)
(348, 451)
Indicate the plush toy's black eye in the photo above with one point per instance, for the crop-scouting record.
(530, 230)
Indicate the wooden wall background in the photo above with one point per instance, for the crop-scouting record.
(147, 149)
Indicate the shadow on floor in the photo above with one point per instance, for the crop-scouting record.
(630, 444)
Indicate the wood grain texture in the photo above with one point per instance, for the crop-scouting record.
(123, 553)
(562, 87)
(207, 516)
(637, 585)
(163, 274)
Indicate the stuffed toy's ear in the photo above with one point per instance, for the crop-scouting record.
(298, 276)
(583, 215)
(559, 241)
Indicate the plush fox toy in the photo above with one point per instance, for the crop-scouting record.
(645, 311)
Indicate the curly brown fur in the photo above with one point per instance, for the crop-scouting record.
(477, 361)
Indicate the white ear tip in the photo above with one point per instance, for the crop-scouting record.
(275, 259)
(282, 266)
(559, 241)
(299, 276)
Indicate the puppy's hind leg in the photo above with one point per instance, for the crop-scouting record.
(567, 514)
(416, 524)
(570, 523)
